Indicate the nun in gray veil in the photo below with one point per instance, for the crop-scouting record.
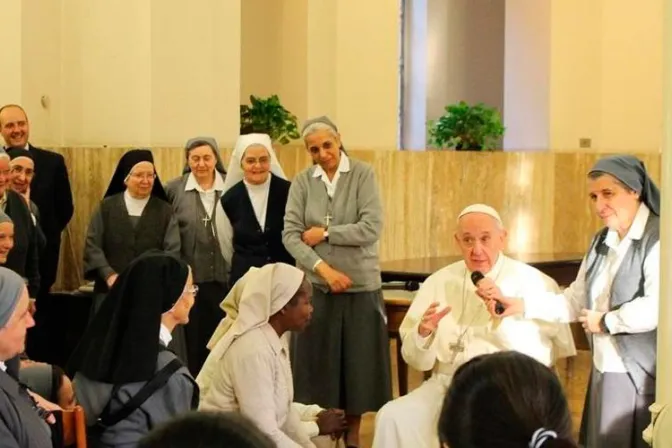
(21, 421)
(615, 297)
(195, 197)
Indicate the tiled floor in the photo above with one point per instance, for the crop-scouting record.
(575, 385)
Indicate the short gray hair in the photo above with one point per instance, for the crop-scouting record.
(317, 127)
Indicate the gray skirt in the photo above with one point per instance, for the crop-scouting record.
(342, 359)
(614, 415)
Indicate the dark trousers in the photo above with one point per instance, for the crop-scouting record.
(203, 319)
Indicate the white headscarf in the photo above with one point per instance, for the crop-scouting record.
(235, 172)
(258, 295)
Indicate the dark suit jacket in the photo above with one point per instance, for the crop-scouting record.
(50, 191)
(24, 256)
(252, 245)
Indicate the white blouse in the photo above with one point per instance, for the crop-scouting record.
(259, 198)
(637, 316)
(135, 206)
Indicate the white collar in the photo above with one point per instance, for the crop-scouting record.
(135, 206)
(164, 335)
(192, 184)
(343, 167)
(3, 367)
(26, 147)
(636, 230)
(258, 187)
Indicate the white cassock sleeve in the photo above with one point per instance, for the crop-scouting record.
(418, 352)
(308, 416)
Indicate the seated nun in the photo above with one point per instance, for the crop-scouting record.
(505, 400)
(254, 200)
(124, 377)
(22, 420)
(248, 368)
(448, 323)
(43, 379)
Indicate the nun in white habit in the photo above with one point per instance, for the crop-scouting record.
(254, 200)
(248, 369)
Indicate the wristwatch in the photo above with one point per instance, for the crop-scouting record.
(603, 324)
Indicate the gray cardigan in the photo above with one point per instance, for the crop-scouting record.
(354, 230)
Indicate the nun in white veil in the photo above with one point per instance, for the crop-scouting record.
(254, 199)
(248, 369)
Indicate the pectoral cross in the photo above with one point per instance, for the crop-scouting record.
(327, 219)
(205, 220)
(456, 348)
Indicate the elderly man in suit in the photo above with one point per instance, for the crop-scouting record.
(50, 189)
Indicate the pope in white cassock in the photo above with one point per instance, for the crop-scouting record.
(448, 324)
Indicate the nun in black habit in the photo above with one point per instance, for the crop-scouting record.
(133, 217)
(124, 351)
(196, 203)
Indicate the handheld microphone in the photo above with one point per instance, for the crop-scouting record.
(476, 277)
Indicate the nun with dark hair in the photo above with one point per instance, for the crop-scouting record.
(133, 217)
(615, 297)
(195, 197)
(124, 377)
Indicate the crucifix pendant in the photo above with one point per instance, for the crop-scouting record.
(205, 220)
(456, 348)
(327, 219)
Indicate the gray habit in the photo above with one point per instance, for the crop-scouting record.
(342, 359)
(20, 426)
(95, 261)
(609, 420)
(165, 404)
(200, 249)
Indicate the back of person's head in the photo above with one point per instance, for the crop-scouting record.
(207, 430)
(505, 399)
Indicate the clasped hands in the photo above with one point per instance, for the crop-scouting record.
(313, 236)
(337, 281)
(332, 422)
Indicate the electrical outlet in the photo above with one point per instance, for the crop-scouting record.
(585, 142)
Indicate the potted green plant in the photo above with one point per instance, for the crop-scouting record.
(466, 128)
(268, 116)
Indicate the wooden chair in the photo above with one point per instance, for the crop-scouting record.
(396, 310)
(74, 428)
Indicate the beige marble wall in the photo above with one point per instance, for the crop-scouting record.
(541, 196)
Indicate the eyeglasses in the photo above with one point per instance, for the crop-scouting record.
(143, 176)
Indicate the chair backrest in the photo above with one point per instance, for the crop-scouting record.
(74, 428)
